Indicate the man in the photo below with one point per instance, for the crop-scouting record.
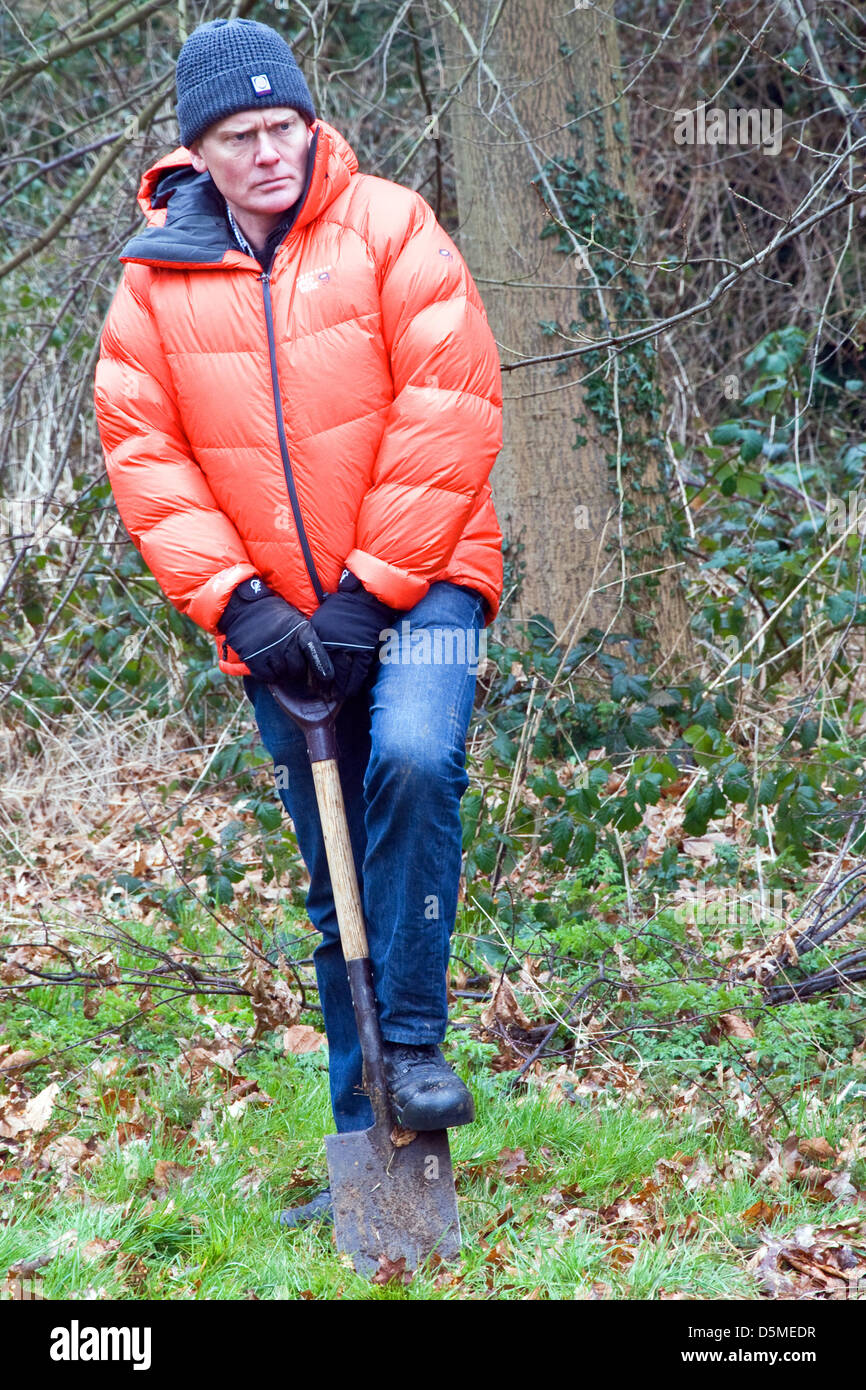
(299, 401)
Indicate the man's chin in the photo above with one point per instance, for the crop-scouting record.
(275, 200)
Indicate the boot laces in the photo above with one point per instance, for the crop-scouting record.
(406, 1055)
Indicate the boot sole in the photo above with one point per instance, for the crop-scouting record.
(306, 1214)
(415, 1115)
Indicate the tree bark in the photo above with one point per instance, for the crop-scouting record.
(543, 168)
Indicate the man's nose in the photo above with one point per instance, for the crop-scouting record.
(266, 150)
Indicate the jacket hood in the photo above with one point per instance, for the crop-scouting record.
(187, 225)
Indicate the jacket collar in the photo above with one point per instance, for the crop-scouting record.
(188, 227)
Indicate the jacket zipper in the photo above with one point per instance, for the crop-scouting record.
(284, 448)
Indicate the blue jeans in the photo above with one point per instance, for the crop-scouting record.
(401, 745)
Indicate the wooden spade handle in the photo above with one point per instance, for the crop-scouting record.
(316, 716)
(341, 863)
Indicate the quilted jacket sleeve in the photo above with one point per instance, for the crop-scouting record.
(189, 545)
(444, 428)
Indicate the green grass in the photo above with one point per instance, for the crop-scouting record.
(215, 1234)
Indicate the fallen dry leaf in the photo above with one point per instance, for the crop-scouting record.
(106, 967)
(255, 1097)
(622, 1255)
(248, 1088)
(273, 1003)
(401, 1137)
(783, 1161)
(690, 1226)
(703, 847)
(98, 1248)
(558, 1086)
(496, 1221)
(18, 1116)
(91, 1002)
(593, 1293)
(627, 969)
(588, 1081)
(248, 1184)
(200, 1056)
(497, 1256)
(735, 1026)
(692, 1170)
(126, 1103)
(854, 1147)
(392, 1271)
(165, 1172)
(736, 1164)
(512, 1163)
(13, 1061)
(811, 1263)
(67, 1153)
(664, 824)
(504, 1008)
(760, 1214)
(132, 1269)
(789, 1161)
(21, 1275)
(841, 1186)
(765, 1263)
(301, 1038)
(699, 1174)
(108, 1067)
(29, 958)
(301, 1177)
(129, 1130)
(818, 1149)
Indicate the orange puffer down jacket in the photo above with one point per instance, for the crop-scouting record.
(369, 335)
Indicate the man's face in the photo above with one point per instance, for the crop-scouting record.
(258, 161)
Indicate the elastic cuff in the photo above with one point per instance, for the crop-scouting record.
(208, 606)
(395, 587)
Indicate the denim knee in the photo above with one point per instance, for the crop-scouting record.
(413, 766)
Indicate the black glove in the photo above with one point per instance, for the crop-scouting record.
(274, 639)
(349, 622)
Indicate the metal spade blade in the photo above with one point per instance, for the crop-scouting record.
(392, 1201)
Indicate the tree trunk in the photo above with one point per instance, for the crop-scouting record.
(543, 167)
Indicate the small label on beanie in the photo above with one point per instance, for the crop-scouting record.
(262, 85)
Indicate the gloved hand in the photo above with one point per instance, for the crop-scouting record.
(274, 639)
(349, 622)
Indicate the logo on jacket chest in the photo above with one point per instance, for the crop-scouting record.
(314, 279)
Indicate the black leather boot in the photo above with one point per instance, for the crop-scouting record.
(321, 1208)
(425, 1092)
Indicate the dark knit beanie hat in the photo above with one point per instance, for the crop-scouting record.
(231, 65)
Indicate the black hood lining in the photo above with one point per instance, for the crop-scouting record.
(196, 230)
